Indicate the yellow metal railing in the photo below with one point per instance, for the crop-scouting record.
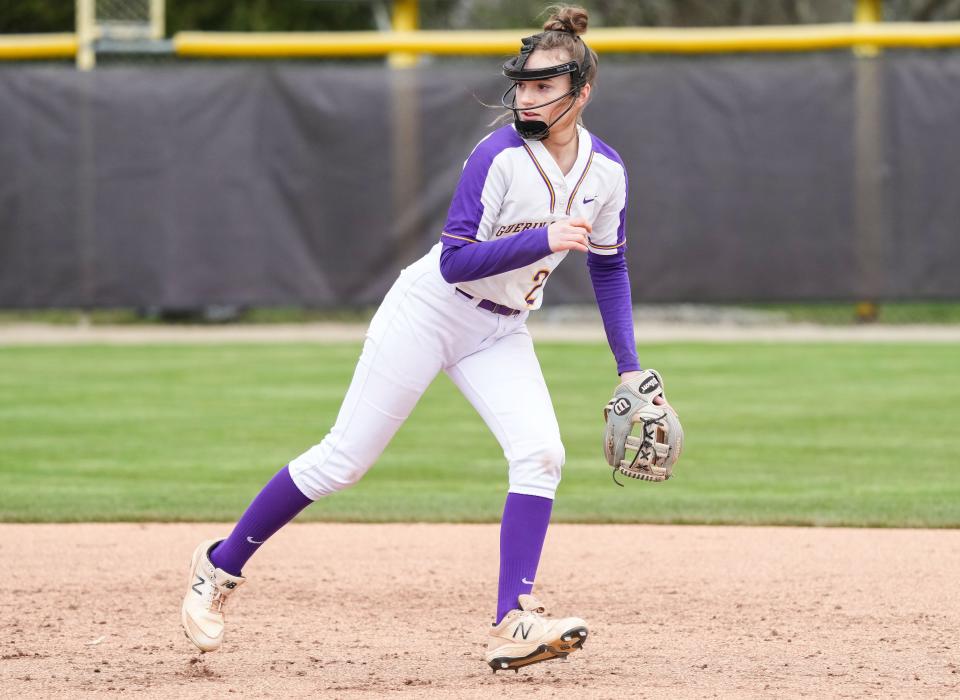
(625, 40)
(867, 34)
(35, 46)
(501, 42)
(866, 13)
(406, 18)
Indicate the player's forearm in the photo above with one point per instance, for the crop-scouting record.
(473, 261)
(611, 285)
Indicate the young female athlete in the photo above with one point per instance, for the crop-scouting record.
(530, 192)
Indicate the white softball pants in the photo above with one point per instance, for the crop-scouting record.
(423, 327)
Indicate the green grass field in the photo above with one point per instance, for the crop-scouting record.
(826, 434)
(826, 313)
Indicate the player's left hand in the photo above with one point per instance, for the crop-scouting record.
(657, 400)
(660, 442)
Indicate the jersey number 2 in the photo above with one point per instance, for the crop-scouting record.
(539, 278)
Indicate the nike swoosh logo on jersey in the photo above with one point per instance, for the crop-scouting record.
(587, 200)
(524, 580)
(253, 541)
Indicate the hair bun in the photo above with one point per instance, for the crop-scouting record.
(566, 18)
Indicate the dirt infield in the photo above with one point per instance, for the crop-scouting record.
(365, 611)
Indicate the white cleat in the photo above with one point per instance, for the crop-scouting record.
(526, 637)
(209, 587)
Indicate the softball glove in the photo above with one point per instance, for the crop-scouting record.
(650, 454)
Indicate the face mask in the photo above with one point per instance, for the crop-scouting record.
(514, 69)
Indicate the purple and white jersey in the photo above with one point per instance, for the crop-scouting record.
(512, 187)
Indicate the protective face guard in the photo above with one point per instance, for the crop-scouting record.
(514, 69)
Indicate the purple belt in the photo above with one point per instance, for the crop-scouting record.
(490, 306)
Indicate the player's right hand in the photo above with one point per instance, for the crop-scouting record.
(569, 234)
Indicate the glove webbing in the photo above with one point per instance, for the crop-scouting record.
(645, 450)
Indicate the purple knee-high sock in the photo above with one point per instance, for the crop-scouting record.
(276, 505)
(522, 531)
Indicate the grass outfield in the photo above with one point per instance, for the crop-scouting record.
(828, 313)
(826, 434)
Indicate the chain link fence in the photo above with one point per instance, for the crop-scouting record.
(123, 12)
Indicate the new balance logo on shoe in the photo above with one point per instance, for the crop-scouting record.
(524, 632)
(199, 582)
(253, 541)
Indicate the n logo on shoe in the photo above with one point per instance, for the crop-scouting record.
(524, 632)
(199, 582)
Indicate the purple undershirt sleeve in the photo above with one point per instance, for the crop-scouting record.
(611, 285)
(461, 261)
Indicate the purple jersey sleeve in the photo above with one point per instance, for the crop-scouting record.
(611, 285)
(487, 258)
(466, 258)
(468, 203)
(611, 282)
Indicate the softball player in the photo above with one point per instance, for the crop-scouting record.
(529, 193)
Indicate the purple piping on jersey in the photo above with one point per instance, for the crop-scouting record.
(546, 180)
(466, 207)
(583, 176)
(611, 285)
(462, 263)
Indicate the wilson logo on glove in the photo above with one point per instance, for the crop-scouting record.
(649, 385)
(621, 406)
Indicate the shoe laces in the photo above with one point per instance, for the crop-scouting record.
(216, 595)
(518, 615)
(217, 598)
